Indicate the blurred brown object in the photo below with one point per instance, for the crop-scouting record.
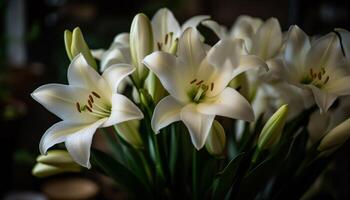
(70, 189)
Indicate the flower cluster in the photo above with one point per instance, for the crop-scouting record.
(252, 71)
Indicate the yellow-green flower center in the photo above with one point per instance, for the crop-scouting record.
(316, 78)
(199, 90)
(94, 106)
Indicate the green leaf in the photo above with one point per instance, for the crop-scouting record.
(119, 173)
(227, 177)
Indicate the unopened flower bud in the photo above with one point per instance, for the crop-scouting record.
(54, 162)
(271, 132)
(216, 141)
(56, 158)
(336, 137)
(141, 44)
(75, 44)
(42, 170)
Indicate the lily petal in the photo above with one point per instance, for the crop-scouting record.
(164, 22)
(219, 30)
(229, 103)
(78, 144)
(194, 21)
(323, 99)
(122, 39)
(345, 39)
(296, 47)
(197, 123)
(268, 39)
(61, 100)
(227, 49)
(115, 55)
(82, 75)
(248, 62)
(325, 52)
(122, 110)
(244, 28)
(116, 73)
(174, 76)
(166, 112)
(58, 133)
(339, 86)
(191, 49)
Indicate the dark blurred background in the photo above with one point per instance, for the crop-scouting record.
(32, 53)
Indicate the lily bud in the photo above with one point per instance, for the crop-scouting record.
(141, 44)
(154, 87)
(54, 162)
(56, 158)
(271, 132)
(43, 170)
(75, 44)
(336, 137)
(216, 141)
(129, 131)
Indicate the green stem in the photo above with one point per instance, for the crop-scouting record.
(194, 174)
(146, 165)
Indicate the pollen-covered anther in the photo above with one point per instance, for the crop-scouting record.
(89, 109)
(326, 80)
(78, 107)
(95, 94)
(159, 46)
(200, 82)
(90, 104)
(91, 99)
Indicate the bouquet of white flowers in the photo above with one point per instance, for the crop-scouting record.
(155, 95)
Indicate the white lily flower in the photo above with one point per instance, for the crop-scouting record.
(319, 67)
(263, 39)
(89, 101)
(198, 90)
(167, 30)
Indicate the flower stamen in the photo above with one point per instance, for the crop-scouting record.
(78, 107)
(95, 94)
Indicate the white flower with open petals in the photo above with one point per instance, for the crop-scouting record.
(263, 39)
(318, 66)
(89, 101)
(198, 90)
(167, 30)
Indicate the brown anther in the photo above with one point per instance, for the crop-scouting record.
(159, 46)
(166, 39)
(211, 86)
(314, 76)
(200, 82)
(311, 73)
(95, 94)
(194, 80)
(319, 75)
(90, 104)
(89, 109)
(323, 70)
(78, 107)
(326, 80)
(91, 99)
